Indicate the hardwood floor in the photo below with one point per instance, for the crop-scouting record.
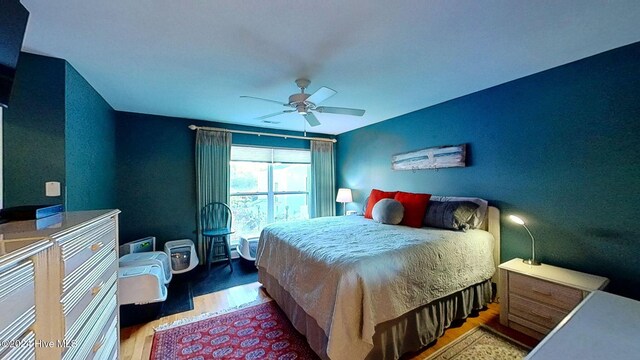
(489, 317)
(135, 341)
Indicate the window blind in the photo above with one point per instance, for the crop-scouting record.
(270, 155)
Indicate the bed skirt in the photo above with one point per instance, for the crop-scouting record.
(410, 332)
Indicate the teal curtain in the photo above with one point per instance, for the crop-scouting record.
(213, 153)
(323, 184)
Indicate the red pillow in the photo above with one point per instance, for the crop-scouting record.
(375, 196)
(415, 206)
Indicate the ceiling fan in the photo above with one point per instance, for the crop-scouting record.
(305, 104)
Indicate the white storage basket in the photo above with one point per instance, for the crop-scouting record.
(149, 258)
(142, 284)
(247, 248)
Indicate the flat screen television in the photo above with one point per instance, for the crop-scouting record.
(13, 23)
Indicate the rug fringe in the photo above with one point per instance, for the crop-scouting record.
(505, 336)
(470, 332)
(207, 315)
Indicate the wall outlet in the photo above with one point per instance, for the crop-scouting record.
(52, 188)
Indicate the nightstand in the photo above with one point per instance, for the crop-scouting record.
(534, 299)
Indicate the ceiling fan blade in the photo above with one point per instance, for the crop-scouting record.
(257, 98)
(274, 114)
(321, 95)
(339, 110)
(311, 119)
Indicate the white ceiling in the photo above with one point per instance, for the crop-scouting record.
(194, 59)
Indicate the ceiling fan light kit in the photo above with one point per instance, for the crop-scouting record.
(305, 104)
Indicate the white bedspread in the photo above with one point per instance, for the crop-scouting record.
(350, 273)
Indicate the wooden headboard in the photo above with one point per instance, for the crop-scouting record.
(493, 226)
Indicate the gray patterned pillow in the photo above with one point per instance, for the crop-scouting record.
(481, 212)
(388, 211)
(453, 215)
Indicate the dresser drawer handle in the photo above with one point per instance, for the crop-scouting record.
(549, 318)
(97, 246)
(544, 293)
(99, 344)
(96, 289)
(529, 312)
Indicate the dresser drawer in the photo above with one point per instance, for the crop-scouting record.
(114, 352)
(17, 300)
(78, 246)
(95, 285)
(23, 349)
(544, 292)
(107, 346)
(113, 355)
(19, 326)
(540, 314)
(95, 308)
(79, 275)
(93, 335)
(527, 327)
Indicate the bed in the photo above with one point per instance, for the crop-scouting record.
(358, 289)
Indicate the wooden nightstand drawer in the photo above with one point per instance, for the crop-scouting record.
(535, 298)
(540, 314)
(545, 292)
(527, 327)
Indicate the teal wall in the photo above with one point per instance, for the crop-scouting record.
(90, 147)
(58, 128)
(156, 173)
(558, 147)
(33, 131)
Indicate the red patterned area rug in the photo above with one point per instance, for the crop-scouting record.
(256, 332)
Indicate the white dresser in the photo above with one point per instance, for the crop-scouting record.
(58, 277)
(18, 296)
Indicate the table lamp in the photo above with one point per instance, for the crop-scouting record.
(344, 196)
(533, 260)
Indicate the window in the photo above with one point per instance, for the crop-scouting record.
(268, 185)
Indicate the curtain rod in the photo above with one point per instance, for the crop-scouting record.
(193, 127)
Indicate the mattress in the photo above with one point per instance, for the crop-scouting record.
(350, 274)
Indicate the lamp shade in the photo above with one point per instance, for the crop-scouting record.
(344, 196)
(516, 219)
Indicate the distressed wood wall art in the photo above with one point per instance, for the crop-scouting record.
(431, 158)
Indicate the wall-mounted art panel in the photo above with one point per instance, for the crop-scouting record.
(431, 158)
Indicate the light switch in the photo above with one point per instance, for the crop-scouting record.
(52, 188)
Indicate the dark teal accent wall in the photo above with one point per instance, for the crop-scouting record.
(58, 128)
(156, 173)
(90, 148)
(33, 131)
(558, 147)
